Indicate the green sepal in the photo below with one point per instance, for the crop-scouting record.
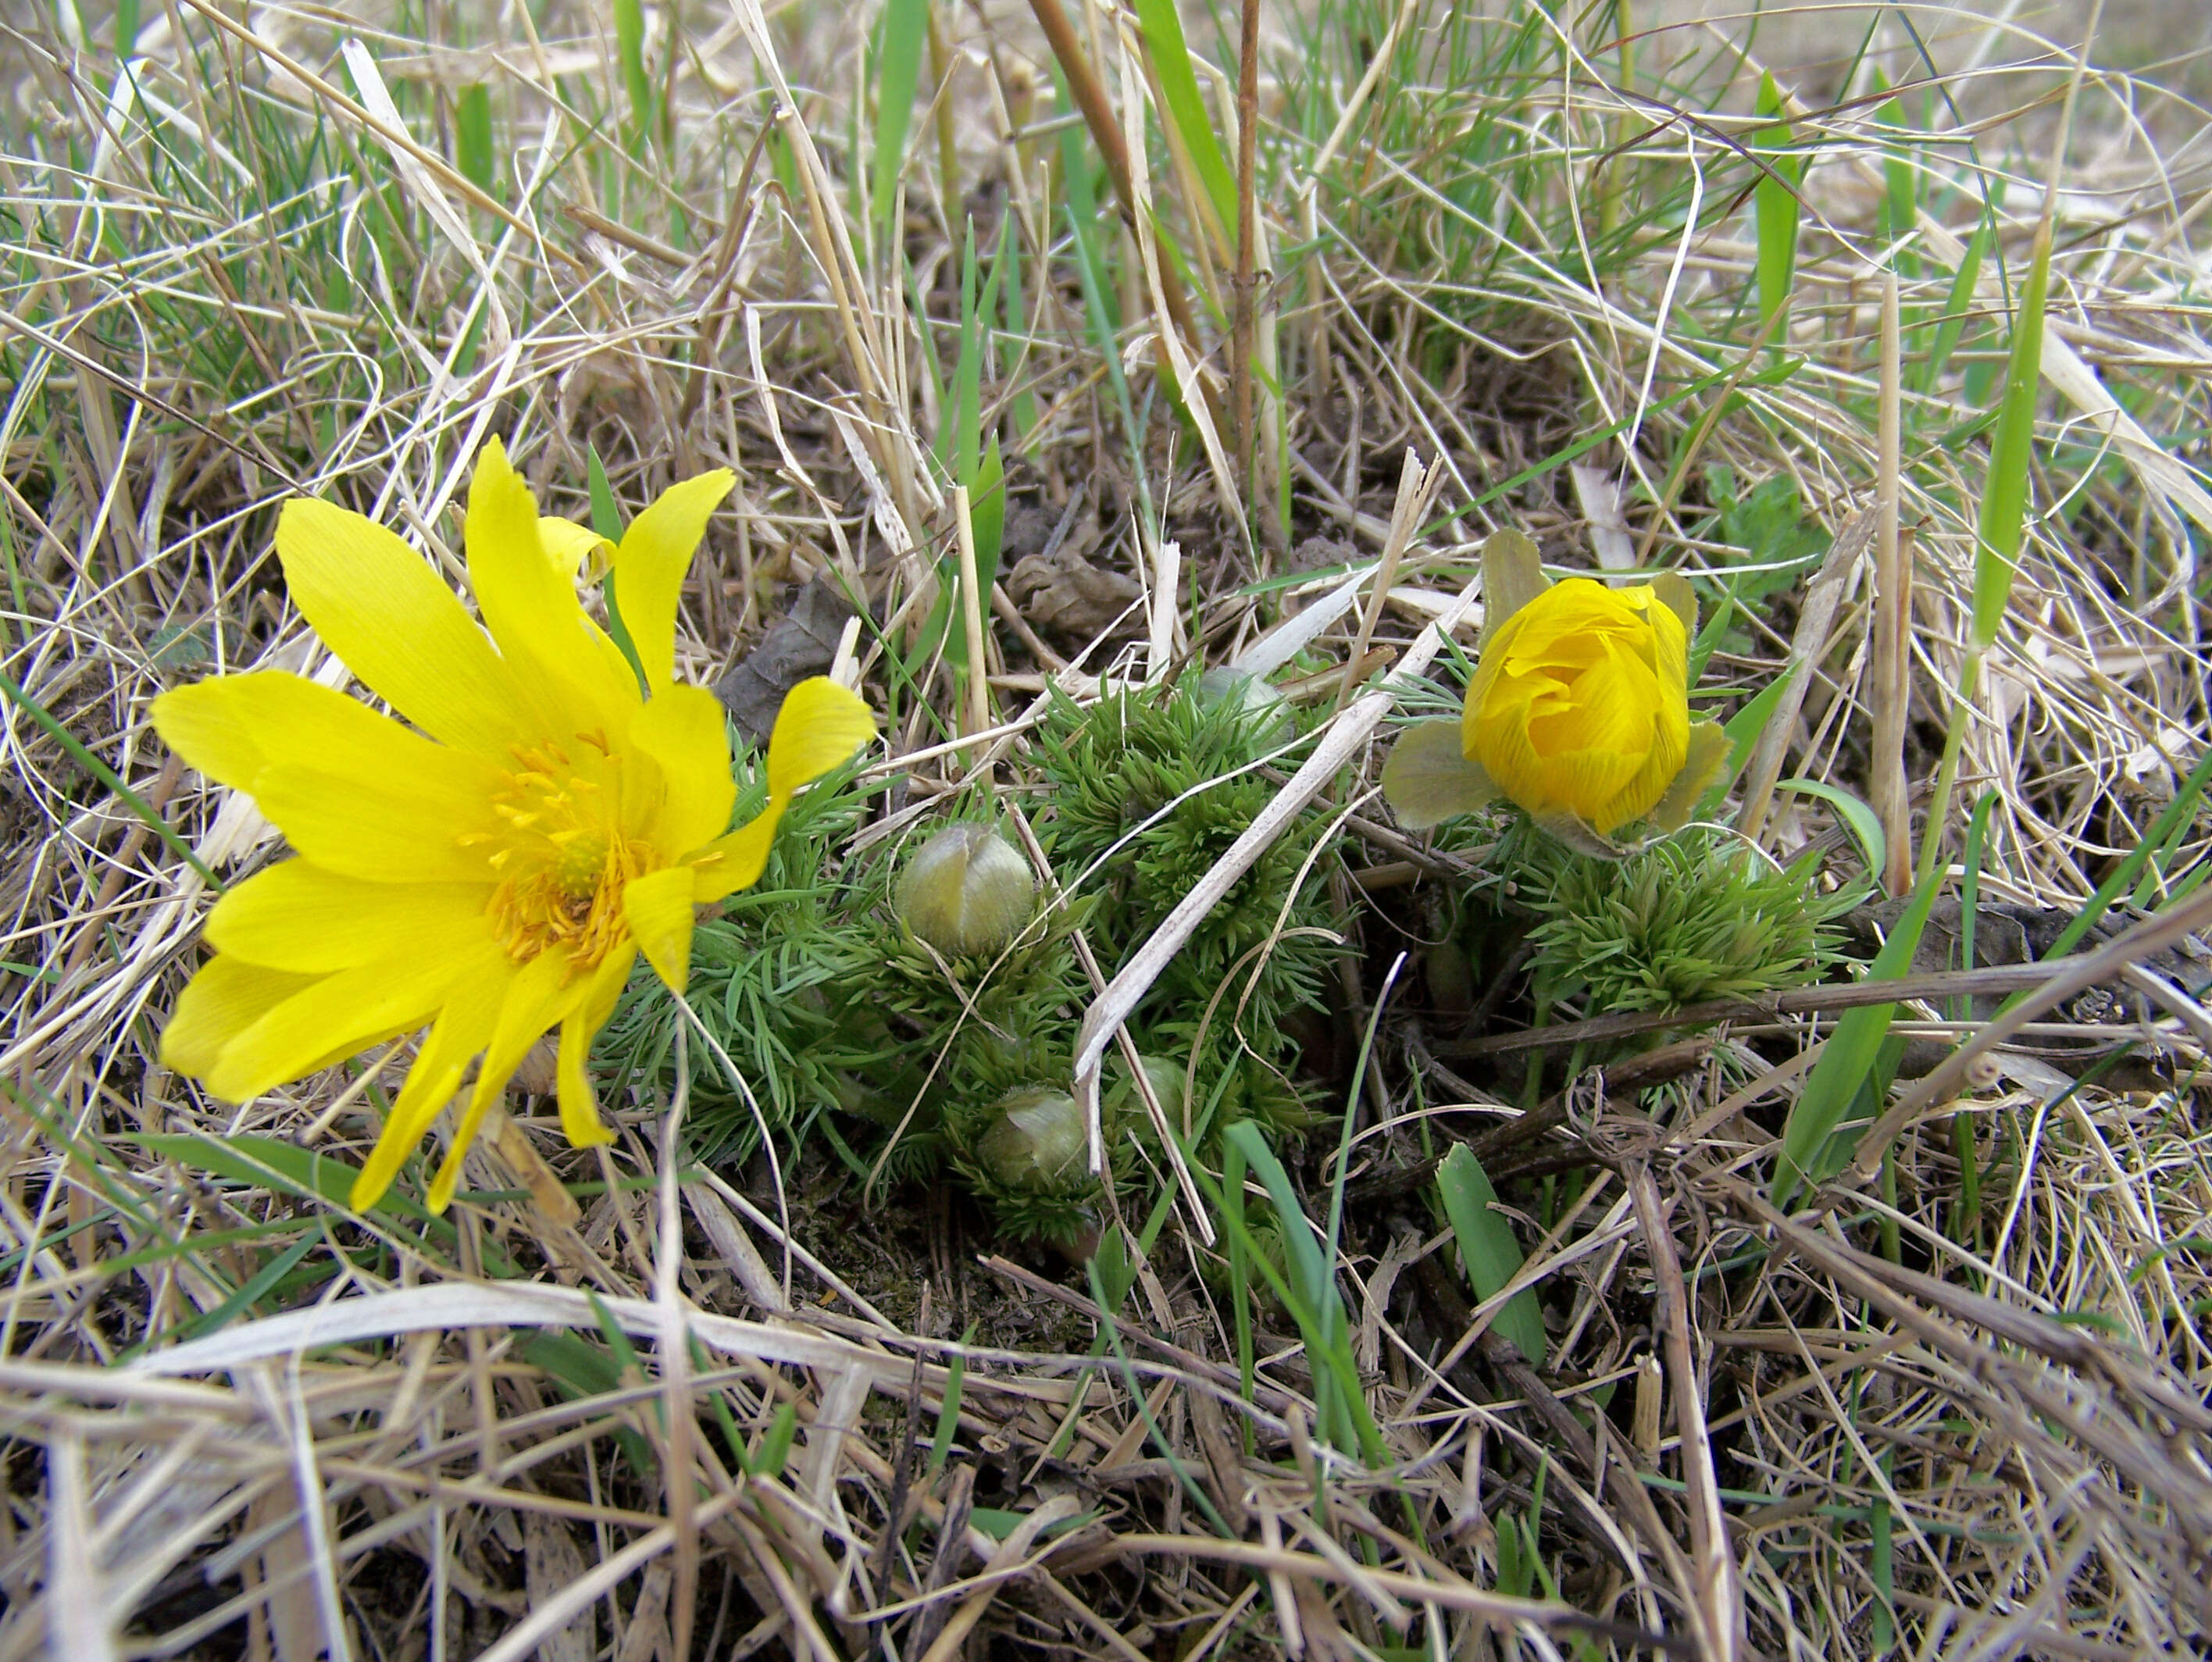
(1675, 593)
(1512, 576)
(1428, 778)
(1707, 754)
(1579, 834)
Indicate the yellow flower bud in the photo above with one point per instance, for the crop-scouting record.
(1581, 703)
(1579, 713)
(967, 892)
(1037, 1140)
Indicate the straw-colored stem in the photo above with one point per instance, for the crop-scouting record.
(978, 705)
(942, 65)
(1892, 612)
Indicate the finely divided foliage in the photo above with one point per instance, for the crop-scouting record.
(488, 1166)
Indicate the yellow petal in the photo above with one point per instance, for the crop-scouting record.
(1430, 778)
(324, 767)
(818, 728)
(1591, 784)
(657, 908)
(330, 1019)
(1670, 637)
(686, 733)
(651, 565)
(574, 549)
(377, 828)
(1669, 739)
(1495, 732)
(225, 998)
(464, 1027)
(299, 917)
(547, 643)
(1562, 621)
(535, 1000)
(729, 864)
(232, 727)
(379, 606)
(1665, 763)
(1482, 693)
(580, 1107)
(1609, 706)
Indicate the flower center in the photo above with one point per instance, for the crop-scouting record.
(562, 861)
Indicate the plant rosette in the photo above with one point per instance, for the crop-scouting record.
(1578, 713)
(551, 805)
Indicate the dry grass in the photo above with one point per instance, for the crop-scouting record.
(240, 1421)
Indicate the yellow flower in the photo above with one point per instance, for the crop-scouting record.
(1579, 710)
(493, 870)
(1581, 703)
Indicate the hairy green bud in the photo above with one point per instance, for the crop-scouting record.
(1265, 711)
(1037, 1140)
(967, 892)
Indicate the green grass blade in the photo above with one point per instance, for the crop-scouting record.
(1239, 1268)
(1969, 891)
(718, 1401)
(1859, 819)
(986, 509)
(607, 520)
(606, 513)
(948, 1413)
(1744, 727)
(2176, 817)
(51, 726)
(472, 146)
(1309, 1275)
(1024, 406)
(583, 1371)
(1849, 1059)
(245, 1299)
(268, 1165)
(629, 50)
(960, 446)
(1487, 1249)
(775, 1449)
(1775, 206)
(1190, 1486)
(1900, 207)
(1999, 531)
(1956, 307)
(898, 73)
(1342, 1416)
(1163, 38)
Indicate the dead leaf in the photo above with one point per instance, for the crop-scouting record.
(799, 644)
(1058, 587)
(522, 1158)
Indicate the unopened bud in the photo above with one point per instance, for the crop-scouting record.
(1166, 1080)
(967, 892)
(1264, 711)
(1037, 1140)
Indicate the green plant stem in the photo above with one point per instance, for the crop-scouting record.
(1946, 770)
